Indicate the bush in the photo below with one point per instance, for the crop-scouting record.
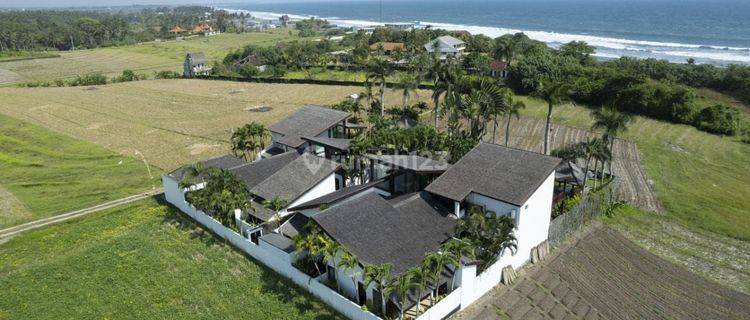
(249, 71)
(719, 119)
(88, 80)
(166, 74)
(128, 75)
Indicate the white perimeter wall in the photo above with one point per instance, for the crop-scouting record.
(271, 258)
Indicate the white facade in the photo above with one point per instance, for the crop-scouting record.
(323, 187)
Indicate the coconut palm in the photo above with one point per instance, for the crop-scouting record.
(553, 92)
(613, 122)
(275, 204)
(381, 276)
(330, 251)
(249, 139)
(309, 244)
(408, 84)
(455, 249)
(378, 70)
(190, 173)
(349, 262)
(221, 196)
(419, 277)
(433, 264)
(401, 287)
(367, 94)
(489, 233)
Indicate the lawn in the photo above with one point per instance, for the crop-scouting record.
(141, 261)
(700, 178)
(43, 173)
(143, 58)
(171, 122)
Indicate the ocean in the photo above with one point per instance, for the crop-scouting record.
(709, 31)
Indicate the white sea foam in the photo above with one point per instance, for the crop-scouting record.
(606, 46)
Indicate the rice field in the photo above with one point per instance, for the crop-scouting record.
(169, 122)
(144, 58)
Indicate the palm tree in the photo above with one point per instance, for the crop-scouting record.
(381, 275)
(222, 195)
(378, 70)
(249, 139)
(433, 264)
(367, 94)
(330, 250)
(308, 244)
(275, 204)
(613, 122)
(349, 262)
(590, 147)
(489, 233)
(190, 173)
(455, 249)
(408, 83)
(401, 287)
(513, 109)
(553, 92)
(419, 277)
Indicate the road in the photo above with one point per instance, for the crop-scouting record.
(8, 233)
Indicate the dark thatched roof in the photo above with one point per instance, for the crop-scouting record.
(295, 178)
(254, 173)
(308, 121)
(335, 143)
(281, 242)
(506, 174)
(377, 232)
(294, 225)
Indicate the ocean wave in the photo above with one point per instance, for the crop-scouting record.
(615, 47)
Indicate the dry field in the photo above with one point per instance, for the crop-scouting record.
(605, 276)
(143, 58)
(170, 122)
(635, 185)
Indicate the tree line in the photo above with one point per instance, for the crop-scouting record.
(78, 29)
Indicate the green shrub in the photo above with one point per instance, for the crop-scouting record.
(129, 75)
(719, 119)
(167, 74)
(88, 80)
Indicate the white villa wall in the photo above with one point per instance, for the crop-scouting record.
(444, 307)
(535, 217)
(323, 187)
(270, 258)
(494, 205)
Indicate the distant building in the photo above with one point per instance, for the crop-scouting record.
(177, 30)
(204, 29)
(284, 20)
(499, 69)
(446, 46)
(388, 47)
(400, 26)
(196, 64)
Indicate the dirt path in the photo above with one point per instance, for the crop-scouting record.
(6, 234)
(602, 275)
(635, 185)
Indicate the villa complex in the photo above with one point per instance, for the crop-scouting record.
(400, 208)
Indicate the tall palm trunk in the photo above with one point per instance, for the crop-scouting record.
(382, 300)
(507, 131)
(586, 172)
(382, 98)
(546, 128)
(435, 113)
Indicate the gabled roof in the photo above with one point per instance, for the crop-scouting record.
(444, 43)
(569, 172)
(294, 179)
(411, 162)
(224, 162)
(280, 242)
(376, 231)
(308, 121)
(196, 58)
(253, 173)
(502, 173)
(336, 196)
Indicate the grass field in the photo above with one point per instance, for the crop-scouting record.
(171, 122)
(143, 58)
(700, 178)
(43, 173)
(141, 261)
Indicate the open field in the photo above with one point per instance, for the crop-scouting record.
(143, 58)
(602, 275)
(700, 178)
(171, 122)
(143, 261)
(713, 256)
(43, 173)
